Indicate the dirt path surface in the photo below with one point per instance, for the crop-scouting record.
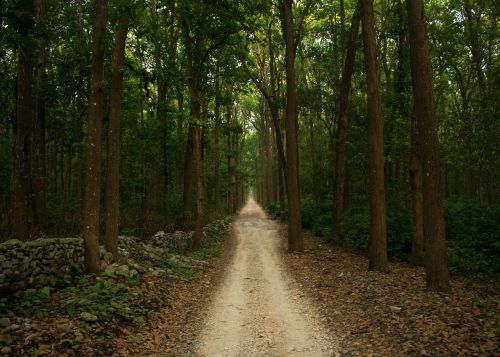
(258, 309)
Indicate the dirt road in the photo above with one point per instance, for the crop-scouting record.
(258, 310)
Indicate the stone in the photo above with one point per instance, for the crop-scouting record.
(123, 269)
(5, 322)
(64, 328)
(394, 308)
(160, 234)
(108, 257)
(158, 272)
(6, 350)
(88, 317)
(111, 268)
(5, 339)
(12, 328)
(104, 265)
(135, 266)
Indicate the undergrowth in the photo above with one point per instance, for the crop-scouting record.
(112, 295)
(472, 231)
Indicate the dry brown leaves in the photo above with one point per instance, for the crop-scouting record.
(173, 330)
(391, 314)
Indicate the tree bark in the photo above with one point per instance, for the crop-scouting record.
(115, 109)
(341, 147)
(188, 178)
(93, 148)
(162, 96)
(194, 85)
(231, 161)
(198, 233)
(378, 230)
(38, 175)
(21, 205)
(436, 264)
(217, 133)
(415, 173)
(295, 240)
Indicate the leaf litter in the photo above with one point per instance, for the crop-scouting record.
(391, 314)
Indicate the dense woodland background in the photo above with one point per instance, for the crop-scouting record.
(198, 120)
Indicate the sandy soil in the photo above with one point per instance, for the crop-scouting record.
(258, 310)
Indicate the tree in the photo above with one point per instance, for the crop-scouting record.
(378, 229)
(115, 112)
(295, 240)
(427, 140)
(38, 172)
(91, 209)
(340, 148)
(22, 209)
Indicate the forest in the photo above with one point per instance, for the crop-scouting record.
(360, 127)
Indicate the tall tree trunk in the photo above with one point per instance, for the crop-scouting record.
(38, 179)
(312, 150)
(195, 92)
(188, 178)
(340, 156)
(115, 109)
(179, 133)
(217, 133)
(295, 240)
(91, 207)
(273, 106)
(436, 263)
(281, 188)
(475, 47)
(161, 98)
(198, 233)
(268, 159)
(415, 173)
(274, 164)
(378, 229)
(21, 205)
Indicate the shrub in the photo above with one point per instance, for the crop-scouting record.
(473, 233)
(274, 210)
(309, 209)
(399, 231)
(356, 228)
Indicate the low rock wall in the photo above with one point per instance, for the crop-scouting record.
(46, 261)
(39, 263)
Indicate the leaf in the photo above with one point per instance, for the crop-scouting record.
(44, 349)
(45, 292)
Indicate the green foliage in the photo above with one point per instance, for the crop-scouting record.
(210, 247)
(472, 230)
(106, 297)
(317, 216)
(399, 231)
(356, 228)
(119, 297)
(274, 210)
(33, 300)
(473, 233)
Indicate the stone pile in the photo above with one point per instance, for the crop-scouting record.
(216, 228)
(39, 263)
(44, 262)
(178, 242)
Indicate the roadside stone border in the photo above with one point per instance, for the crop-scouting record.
(47, 261)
